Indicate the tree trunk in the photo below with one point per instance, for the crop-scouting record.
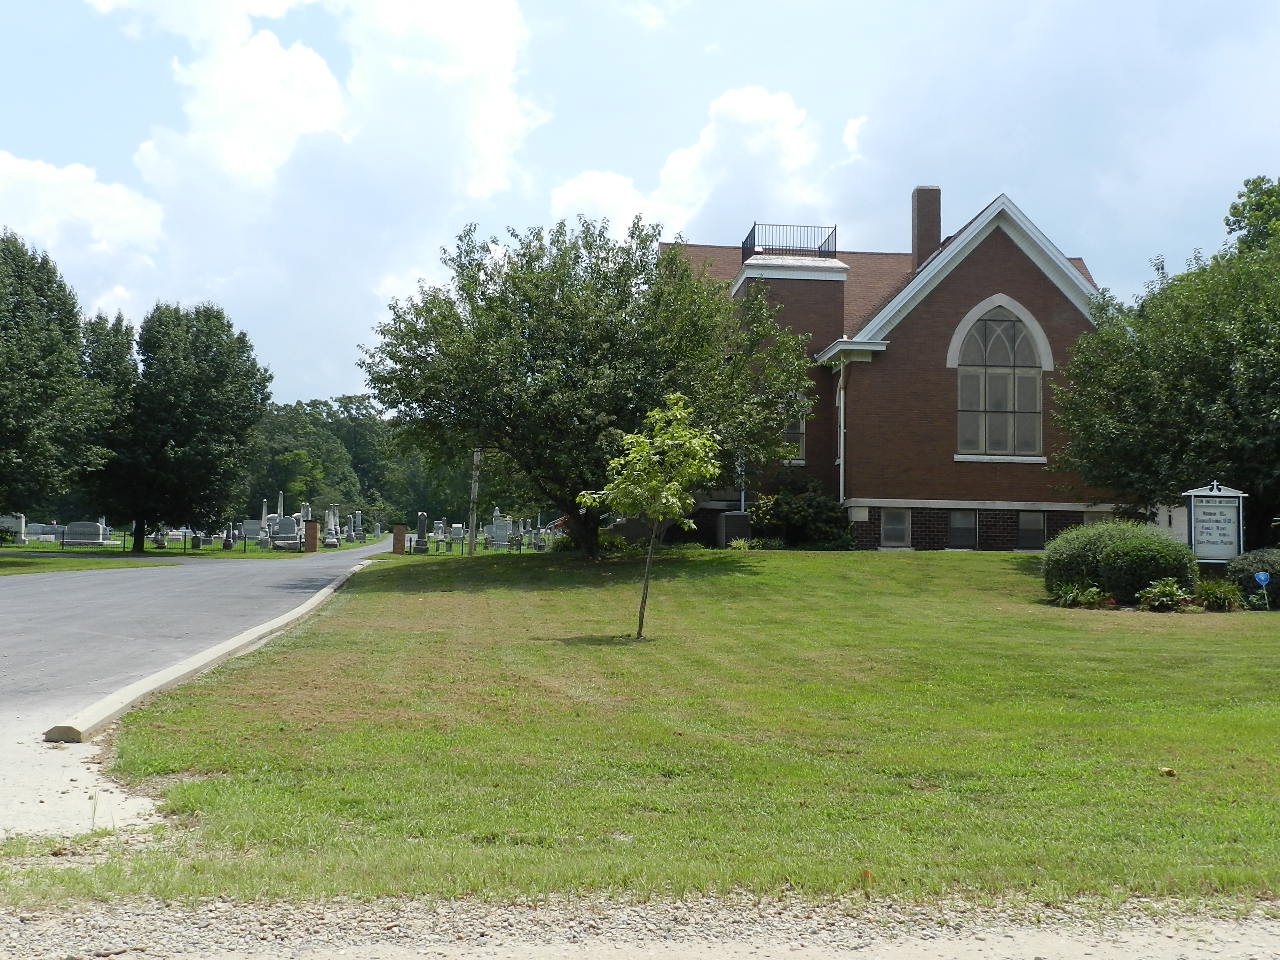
(644, 593)
(139, 536)
(586, 531)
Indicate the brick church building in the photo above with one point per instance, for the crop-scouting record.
(932, 370)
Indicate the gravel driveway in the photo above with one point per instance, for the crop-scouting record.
(706, 929)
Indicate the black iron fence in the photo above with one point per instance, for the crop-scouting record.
(789, 240)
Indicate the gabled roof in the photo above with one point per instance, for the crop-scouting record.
(1071, 277)
(882, 287)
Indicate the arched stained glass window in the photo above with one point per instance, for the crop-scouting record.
(999, 408)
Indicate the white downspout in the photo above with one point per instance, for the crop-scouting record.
(840, 428)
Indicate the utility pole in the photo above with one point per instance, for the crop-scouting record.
(475, 493)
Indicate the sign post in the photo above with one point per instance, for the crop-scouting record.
(1215, 522)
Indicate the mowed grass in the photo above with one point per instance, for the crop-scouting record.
(911, 724)
(11, 564)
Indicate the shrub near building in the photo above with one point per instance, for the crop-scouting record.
(1120, 557)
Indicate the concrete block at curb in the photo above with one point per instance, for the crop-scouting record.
(83, 725)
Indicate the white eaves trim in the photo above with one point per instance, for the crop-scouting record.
(845, 345)
(1001, 213)
(762, 267)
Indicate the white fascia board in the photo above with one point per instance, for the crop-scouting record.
(978, 504)
(840, 348)
(789, 268)
(1003, 213)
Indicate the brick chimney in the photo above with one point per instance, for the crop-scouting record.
(926, 223)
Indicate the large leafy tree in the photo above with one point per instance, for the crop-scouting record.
(49, 408)
(1182, 387)
(544, 351)
(180, 437)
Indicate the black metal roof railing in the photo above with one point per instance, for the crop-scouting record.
(789, 240)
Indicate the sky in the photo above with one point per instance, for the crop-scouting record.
(303, 162)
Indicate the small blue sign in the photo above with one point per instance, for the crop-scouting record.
(1262, 577)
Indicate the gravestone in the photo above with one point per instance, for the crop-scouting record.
(16, 524)
(286, 536)
(85, 533)
(420, 543)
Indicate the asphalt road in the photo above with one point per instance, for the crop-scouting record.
(67, 639)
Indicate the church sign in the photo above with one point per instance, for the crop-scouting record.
(1215, 522)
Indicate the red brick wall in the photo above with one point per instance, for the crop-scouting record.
(815, 307)
(931, 528)
(901, 407)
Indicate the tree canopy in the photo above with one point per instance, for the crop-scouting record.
(1181, 387)
(182, 418)
(50, 405)
(543, 352)
(1255, 215)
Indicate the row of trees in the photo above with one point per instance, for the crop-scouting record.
(146, 424)
(171, 422)
(1183, 386)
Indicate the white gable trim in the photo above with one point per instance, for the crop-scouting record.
(1003, 214)
(1043, 350)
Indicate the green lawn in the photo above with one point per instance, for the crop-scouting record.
(13, 563)
(246, 548)
(918, 723)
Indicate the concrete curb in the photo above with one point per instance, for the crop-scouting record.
(83, 725)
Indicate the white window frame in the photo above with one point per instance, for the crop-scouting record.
(1044, 355)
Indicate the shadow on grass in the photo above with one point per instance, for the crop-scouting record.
(1028, 564)
(594, 640)
(428, 574)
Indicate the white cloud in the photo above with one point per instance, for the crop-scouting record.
(250, 102)
(439, 81)
(51, 206)
(757, 147)
(98, 233)
(653, 14)
(852, 130)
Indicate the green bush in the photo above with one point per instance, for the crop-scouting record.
(1140, 559)
(1163, 596)
(1074, 556)
(1080, 595)
(800, 513)
(1221, 596)
(1240, 571)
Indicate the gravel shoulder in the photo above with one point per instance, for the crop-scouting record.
(710, 929)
